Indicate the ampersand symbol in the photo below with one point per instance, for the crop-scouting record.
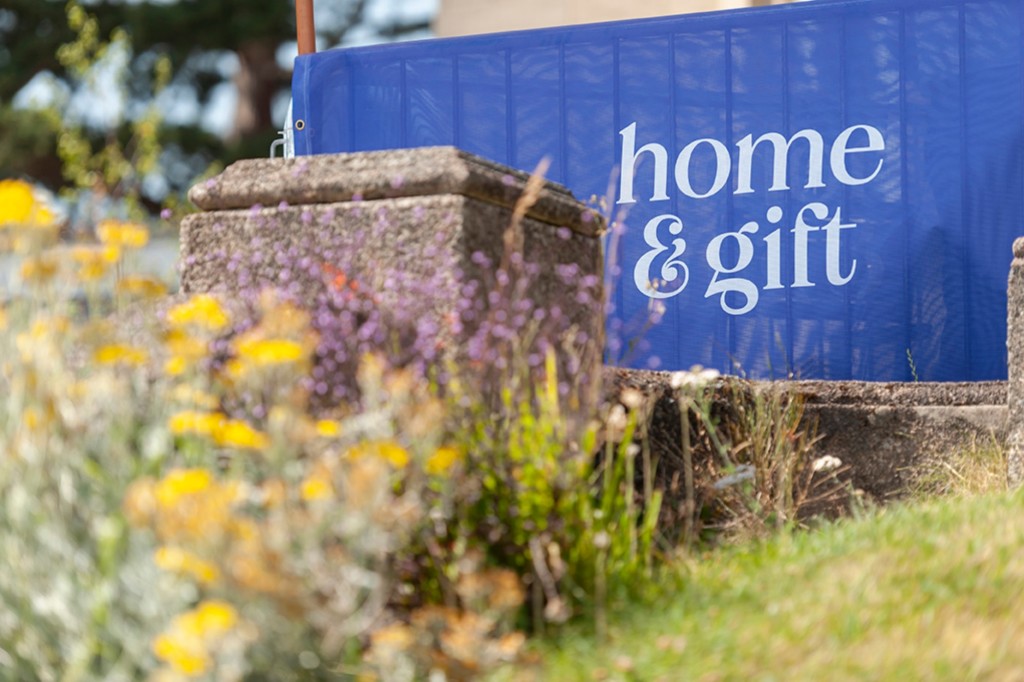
(672, 269)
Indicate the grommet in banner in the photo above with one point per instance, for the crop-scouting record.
(300, 125)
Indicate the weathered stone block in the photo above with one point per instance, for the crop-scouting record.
(890, 436)
(1015, 348)
(421, 232)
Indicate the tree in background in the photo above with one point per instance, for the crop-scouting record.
(195, 38)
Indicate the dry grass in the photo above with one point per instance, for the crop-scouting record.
(975, 470)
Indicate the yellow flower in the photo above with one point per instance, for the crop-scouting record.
(225, 432)
(115, 354)
(32, 418)
(176, 366)
(141, 287)
(202, 311)
(393, 453)
(237, 434)
(187, 644)
(39, 269)
(442, 460)
(235, 368)
(178, 342)
(177, 560)
(94, 262)
(262, 352)
(388, 450)
(185, 351)
(122, 234)
(50, 325)
(186, 506)
(18, 206)
(196, 423)
(328, 428)
(211, 618)
(185, 655)
(316, 488)
(190, 395)
(181, 483)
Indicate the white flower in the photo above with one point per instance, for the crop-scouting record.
(617, 418)
(632, 398)
(697, 377)
(826, 463)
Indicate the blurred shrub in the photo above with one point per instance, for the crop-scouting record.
(174, 505)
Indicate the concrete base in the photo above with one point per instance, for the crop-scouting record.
(890, 436)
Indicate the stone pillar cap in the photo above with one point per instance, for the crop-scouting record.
(333, 178)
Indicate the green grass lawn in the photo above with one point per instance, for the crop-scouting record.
(929, 591)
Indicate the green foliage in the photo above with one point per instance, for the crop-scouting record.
(564, 518)
(28, 143)
(191, 37)
(119, 166)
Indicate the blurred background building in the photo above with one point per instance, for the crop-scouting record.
(464, 17)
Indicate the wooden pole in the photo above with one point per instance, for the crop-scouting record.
(305, 27)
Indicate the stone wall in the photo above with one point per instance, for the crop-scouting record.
(890, 437)
(1015, 355)
(414, 226)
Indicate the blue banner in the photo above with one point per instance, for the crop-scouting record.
(821, 190)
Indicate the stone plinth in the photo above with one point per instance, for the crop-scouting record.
(1015, 348)
(421, 233)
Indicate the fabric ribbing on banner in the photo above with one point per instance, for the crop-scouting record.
(824, 190)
